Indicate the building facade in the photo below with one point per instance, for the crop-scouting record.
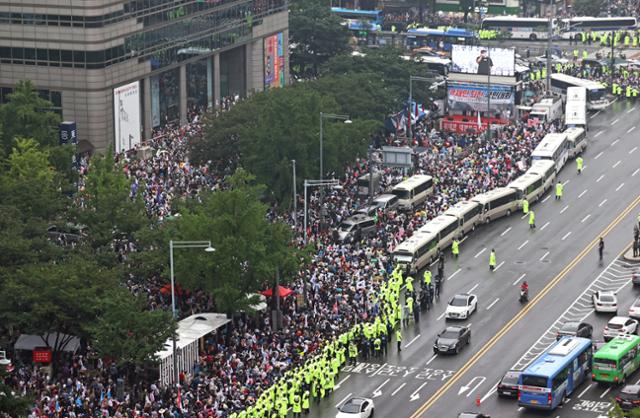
(122, 68)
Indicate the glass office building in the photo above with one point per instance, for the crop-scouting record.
(122, 68)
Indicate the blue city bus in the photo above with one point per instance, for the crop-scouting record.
(442, 39)
(555, 374)
(374, 16)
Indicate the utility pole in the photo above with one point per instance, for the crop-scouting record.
(613, 38)
(489, 95)
(549, 37)
(295, 198)
(370, 174)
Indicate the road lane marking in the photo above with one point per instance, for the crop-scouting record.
(505, 232)
(602, 203)
(491, 392)
(473, 360)
(416, 394)
(605, 392)
(524, 216)
(635, 172)
(544, 256)
(475, 286)
(564, 208)
(631, 110)
(454, 273)
(600, 178)
(519, 278)
(412, 341)
(498, 266)
(398, 390)
(582, 194)
(620, 187)
(479, 253)
(545, 225)
(615, 142)
(442, 315)
(615, 121)
(566, 235)
(594, 115)
(585, 218)
(546, 198)
(598, 134)
(633, 150)
(343, 400)
(599, 155)
(341, 382)
(377, 371)
(631, 129)
(616, 164)
(585, 390)
(523, 244)
(431, 359)
(377, 390)
(493, 303)
(566, 182)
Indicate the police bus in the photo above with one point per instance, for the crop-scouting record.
(553, 147)
(551, 378)
(569, 28)
(417, 251)
(529, 186)
(596, 92)
(519, 27)
(577, 138)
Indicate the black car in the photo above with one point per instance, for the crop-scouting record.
(451, 339)
(508, 385)
(575, 329)
(629, 397)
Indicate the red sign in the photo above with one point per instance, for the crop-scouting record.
(42, 355)
(465, 124)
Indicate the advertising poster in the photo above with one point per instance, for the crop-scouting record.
(155, 101)
(274, 61)
(126, 112)
(468, 97)
(474, 59)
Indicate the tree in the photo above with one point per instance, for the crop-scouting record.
(27, 115)
(127, 331)
(316, 35)
(12, 403)
(588, 7)
(248, 246)
(617, 412)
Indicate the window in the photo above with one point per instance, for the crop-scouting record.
(449, 229)
(560, 378)
(473, 212)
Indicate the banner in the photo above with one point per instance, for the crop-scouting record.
(473, 59)
(155, 101)
(68, 133)
(126, 112)
(473, 98)
(274, 61)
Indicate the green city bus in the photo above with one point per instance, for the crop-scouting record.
(616, 360)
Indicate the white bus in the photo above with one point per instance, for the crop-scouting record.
(413, 191)
(596, 92)
(445, 227)
(467, 213)
(529, 186)
(577, 138)
(519, 27)
(554, 147)
(546, 169)
(496, 203)
(416, 252)
(575, 25)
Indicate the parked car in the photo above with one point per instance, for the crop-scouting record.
(356, 407)
(635, 278)
(629, 397)
(355, 228)
(619, 325)
(461, 306)
(452, 339)
(634, 309)
(605, 301)
(575, 329)
(508, 385)
(386, 202)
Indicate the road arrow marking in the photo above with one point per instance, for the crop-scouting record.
(341, 382)
(397, 390)
(416, 395)
(377, 392)
(470, 386)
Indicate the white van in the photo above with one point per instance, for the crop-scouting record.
(413, 191)
(446, 227)
(577, 138)
(501, 201)
(529, 186)
(467, 213)
(546, 169)
(416, 252)
(386, 202)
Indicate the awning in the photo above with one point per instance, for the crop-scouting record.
(283, 292)
(29, 342)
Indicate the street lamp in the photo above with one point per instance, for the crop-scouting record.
(206, 245)
(324, 116)
(413, 78)
(4, 361)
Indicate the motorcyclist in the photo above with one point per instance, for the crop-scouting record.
(524, 290)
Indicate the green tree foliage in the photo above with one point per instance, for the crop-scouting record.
(617, 412)
(27, 115)
(12, 403)
(316, 36)
(248, 246)
(589, 7)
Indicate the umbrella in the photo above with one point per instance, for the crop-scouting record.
(283, 292)
(166, 289)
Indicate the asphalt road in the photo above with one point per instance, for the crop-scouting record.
(559, 260)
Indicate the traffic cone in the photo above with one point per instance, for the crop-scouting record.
(477, 400)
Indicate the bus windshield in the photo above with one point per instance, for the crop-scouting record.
(402, 194)
(605, 363)
(538, 381)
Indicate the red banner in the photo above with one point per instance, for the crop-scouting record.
(466, 124)
(42, 355)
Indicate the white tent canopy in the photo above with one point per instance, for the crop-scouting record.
(29, 342)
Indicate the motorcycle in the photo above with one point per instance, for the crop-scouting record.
(524, 295)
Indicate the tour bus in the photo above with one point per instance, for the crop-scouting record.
(519, 27)
(467, 213)
(596, 92)
(529, 186)
(553, 147)
(569, 28)
(546, 169)
(445, 227)
(555, 374)
(413, 191)
(496, 203)
(577, 138)
(416, 252)
(616, 360)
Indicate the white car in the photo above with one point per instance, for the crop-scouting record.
(634, 310)
(356, 408)
(605, 301)
(619, 325)
(461, 306)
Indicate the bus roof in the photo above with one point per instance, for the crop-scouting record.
(578, 82)
(516, 19)
(491, 194)
(617, 347)
(372, 13)
(437, 224)
(413, 243)
(522, 182)
(460, 208)
(541, 166)
(412, 182)
(549, 144)
(457, 32)
(557, 356)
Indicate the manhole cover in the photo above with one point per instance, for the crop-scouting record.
(519, 262)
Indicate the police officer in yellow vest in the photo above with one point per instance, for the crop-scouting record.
(579, 163)
(525, 206)
(532, 220)
(559, 190)
(455, 248)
